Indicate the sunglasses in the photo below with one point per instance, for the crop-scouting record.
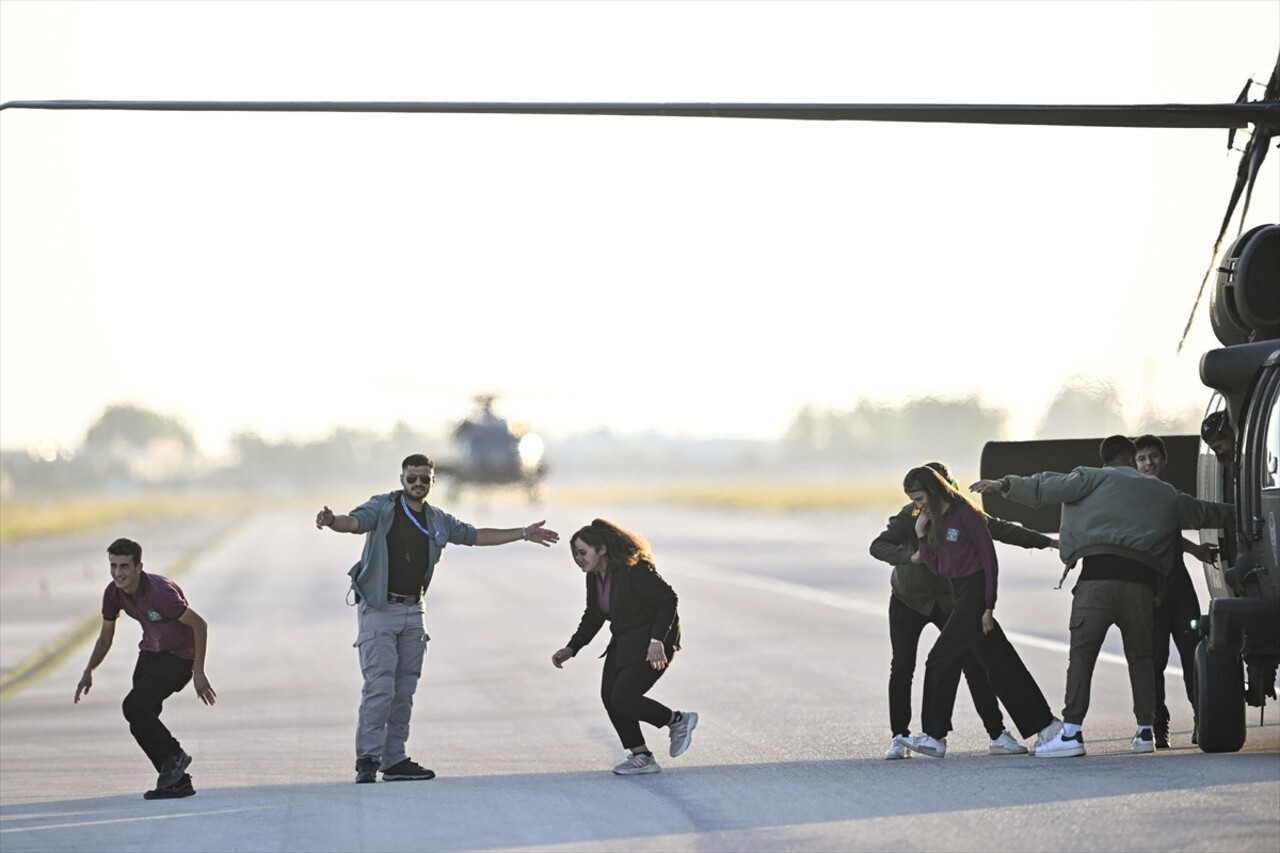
(415, 478)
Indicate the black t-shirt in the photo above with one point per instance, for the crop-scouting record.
(1113, 567)
(407, 554)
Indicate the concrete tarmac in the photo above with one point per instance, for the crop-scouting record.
(786, 659)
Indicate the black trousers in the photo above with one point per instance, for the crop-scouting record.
(1171, 620)
(622, 690)
(1010, 680)
(905, 627)
(157, 676)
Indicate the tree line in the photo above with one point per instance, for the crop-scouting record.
(131, 448)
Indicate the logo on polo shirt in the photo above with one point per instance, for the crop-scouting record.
(953, 534)
(154, 616)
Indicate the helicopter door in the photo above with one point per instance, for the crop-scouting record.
(1264, 464)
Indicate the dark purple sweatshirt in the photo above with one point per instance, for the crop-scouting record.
(966, 548)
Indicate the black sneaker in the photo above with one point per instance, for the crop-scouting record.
(366, 770)
(179, 789)
(1162, 740)
(173, 769)
(407, 771)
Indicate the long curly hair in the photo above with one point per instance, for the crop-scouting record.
(937, 491)
(622, 548)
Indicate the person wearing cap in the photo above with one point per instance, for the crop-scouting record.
(1216, 431)
(920, 597)
(1124, 529)
(404, 537)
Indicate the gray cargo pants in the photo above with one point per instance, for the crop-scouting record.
(1096, 605)
(391, 641)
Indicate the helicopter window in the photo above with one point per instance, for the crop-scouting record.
(1269, 476)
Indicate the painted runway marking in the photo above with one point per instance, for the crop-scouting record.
(80, 823)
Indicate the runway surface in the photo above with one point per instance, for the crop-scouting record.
(786, 658)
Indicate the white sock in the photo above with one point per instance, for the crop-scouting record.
(1070, 729)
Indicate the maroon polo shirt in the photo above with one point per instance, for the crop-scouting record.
(156, 604)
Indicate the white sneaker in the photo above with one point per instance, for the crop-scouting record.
(896, 750)
(1047, 734)
(1006, 744)
(637, 763)
(925, 745)
(1061, 746)
(1143, 741)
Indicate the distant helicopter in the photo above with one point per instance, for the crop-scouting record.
(493, 452)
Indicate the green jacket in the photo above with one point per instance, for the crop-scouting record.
(915, 584)
(1116, 510)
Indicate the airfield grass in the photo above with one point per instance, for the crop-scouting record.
(790, 496)
(20, 519)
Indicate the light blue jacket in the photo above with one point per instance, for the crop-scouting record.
(374, 517)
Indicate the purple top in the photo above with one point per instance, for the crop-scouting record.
(156, 604)
(602, 593)
(966, 548)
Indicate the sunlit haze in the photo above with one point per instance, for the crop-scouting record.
(291, 273)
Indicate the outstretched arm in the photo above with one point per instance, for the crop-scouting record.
(200, 629)
(535, 532)
(1203, 551)
(340, 523)
(100, 649)
(1015, 534)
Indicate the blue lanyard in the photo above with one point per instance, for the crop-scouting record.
(414, 518)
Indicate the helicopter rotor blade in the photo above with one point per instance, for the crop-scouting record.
(1254, 153)
(1226, 116)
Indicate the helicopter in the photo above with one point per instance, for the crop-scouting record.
(492, 452)
(1240, 633)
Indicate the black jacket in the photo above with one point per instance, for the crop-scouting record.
(642, 607)
(915, 584)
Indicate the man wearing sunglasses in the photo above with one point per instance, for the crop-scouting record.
(404, 536)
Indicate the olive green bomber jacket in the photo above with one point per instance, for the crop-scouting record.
(1116, 510)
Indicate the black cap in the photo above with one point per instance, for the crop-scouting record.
(1216, 426)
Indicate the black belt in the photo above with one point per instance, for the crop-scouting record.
(403, 599)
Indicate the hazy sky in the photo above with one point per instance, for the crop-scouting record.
(290, 273)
